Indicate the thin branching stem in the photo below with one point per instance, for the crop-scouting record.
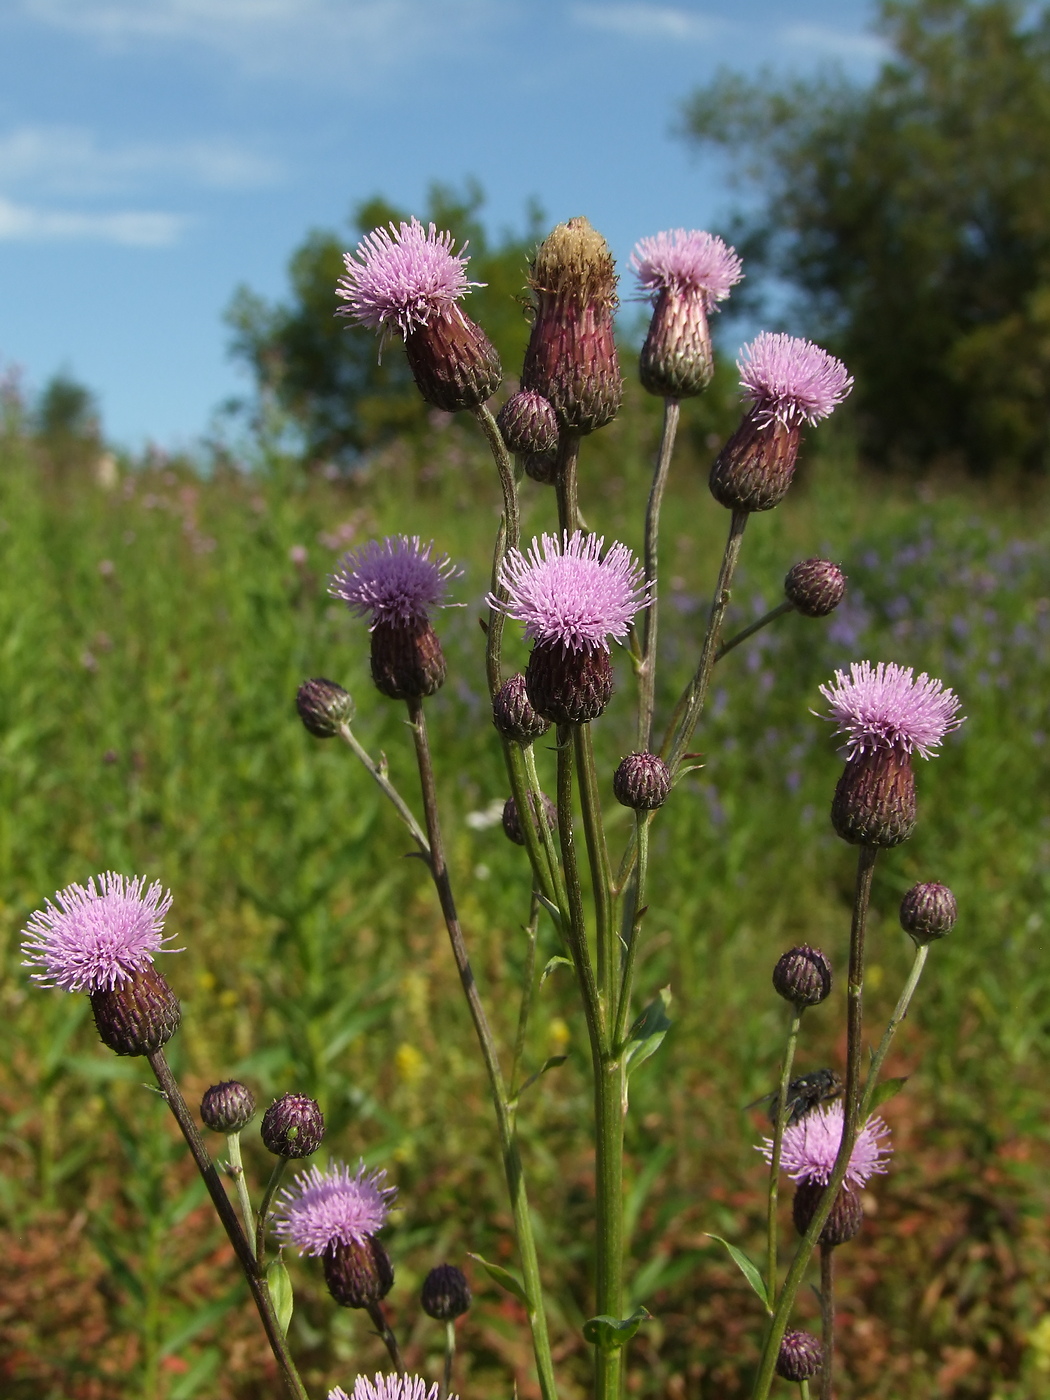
(774, 1165)
(763, 621)
(827, 1320)
(381, 1323)
(650, 621)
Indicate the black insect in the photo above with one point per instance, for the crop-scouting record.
(804, 1094)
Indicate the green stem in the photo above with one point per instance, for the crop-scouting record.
(598, 859)
(228, 1216)
(647, 664)
(450, 1354)
(546, 835)
(577, 926)
(507, 537)
(634, 908)
(236, 1170)
(763, 621)
(527, 990)
(384, 1330)
(803, 1390)
(827, 1320)
(609, 1115)
(565, 481)
(262, 1225)
(508, 1140)
(379, 773)
(899, 1013)
(774, 1164)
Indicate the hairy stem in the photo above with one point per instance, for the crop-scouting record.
(774, 1165)
(565, 481)
(650, 621)
(763, 621)
(236, 1170)
(899, 1013)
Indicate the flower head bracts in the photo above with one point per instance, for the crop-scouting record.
(564, 591)
(886, 707)
(389, 1388)
(681, 261)
(401, 278)
(394, 579)
(320, 1207)
(791, 380)
(95, 938)
(811, 1145)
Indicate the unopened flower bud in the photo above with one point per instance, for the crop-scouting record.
(514, 716)
(802, 976)
(407, 660)
(642, 781)
(454, 363)
(512, 818)
(446, 1293)
(323, 706)
(527, 423)
(755, 467)
(541, 467)
(800, 1358)
(874, 803)
(815, 587)
(928, 912)
(227, 1107)
(568, 686)
(293, 1126)
(358, 1274)
(845, 1220)
(138, 1016)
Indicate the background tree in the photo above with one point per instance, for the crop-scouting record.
(340, 395)
(912, 217)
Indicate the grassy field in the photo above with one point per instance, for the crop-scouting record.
(153, 636)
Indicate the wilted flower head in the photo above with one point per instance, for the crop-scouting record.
(886, 707)
(402, 278)
(686, 261)
(96, 938)
(565, 591)
(320, 1208)
(811, 1145)
(389, 1388)
(394, 579)
(792, 380)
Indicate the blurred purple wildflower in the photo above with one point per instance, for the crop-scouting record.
(886, 707)
(321, 1207)
(394, 579)
(686, 261)
(96, 938)
(564, 591)
(811, 1145)
(389, 1388)
(792, 380)
(401, 278)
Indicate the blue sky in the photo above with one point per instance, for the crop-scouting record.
(155, 153)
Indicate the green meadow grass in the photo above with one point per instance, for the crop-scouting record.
(153, 636)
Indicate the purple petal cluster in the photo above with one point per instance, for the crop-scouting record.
(389, 1388)
(394, 579)
(887, 707)
(320, 1207)
(565, 591)
(792, 380)
(686, 261)
(401, 278)
(811, 1145)
(94, 938)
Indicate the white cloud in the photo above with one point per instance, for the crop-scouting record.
(836, 43)
(648, 22)
(69, 160)
(24, 224)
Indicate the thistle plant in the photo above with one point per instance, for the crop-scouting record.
(586, 607)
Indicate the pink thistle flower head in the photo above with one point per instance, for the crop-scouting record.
(791, 381)
(389, 1388)
(395, 580)
(400, 279)
(95, 938)
(564, 590)
(888, 707)
(686, 261)
(337, 1205)
(811, 1145)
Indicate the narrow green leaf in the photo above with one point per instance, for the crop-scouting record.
(552, 1063)
(279, 1283)
(504, 1278)
(552, 966)
(886, 1090)
(610, 1333)
(746, 1267)
(646, 1035)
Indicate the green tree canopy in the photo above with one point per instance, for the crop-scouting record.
(328, 376)
(912, 216)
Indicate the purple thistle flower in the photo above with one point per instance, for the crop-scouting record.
(403, 278)
(564, 591)
(811, 1145)
(95, 938)
(389, 1388)
(686, 261)
(885, 707)
(394, 579)
(320, 1208)
(791, 380)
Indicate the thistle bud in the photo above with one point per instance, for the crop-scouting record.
(755, 467)
(139, 1016)
(800, 1358)
(845, 1220)
(815, 587)
(642, 781)
(407, 660)
(874, 803)
(454, 363)
(928, 912)
(227, 1107)
(527, 423)
(567, 686)
(292, 1126)
(446, 1293)
(677, 359)
(323, 706)
(541, 467)
(358, 1274)
(802, 976)
(571, 357)
(514, 716)
(512, 827)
